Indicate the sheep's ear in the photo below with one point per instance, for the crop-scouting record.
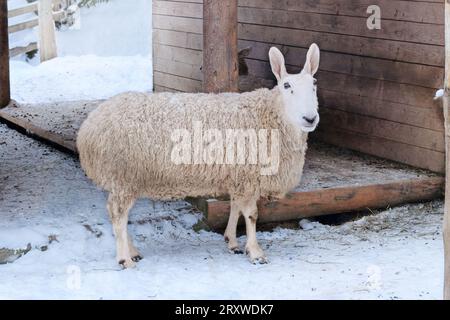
(312, 59)
(277, 63)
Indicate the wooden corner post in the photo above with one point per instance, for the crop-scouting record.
(447, 152)
(47, 33)
(220, 46)
(5, 93)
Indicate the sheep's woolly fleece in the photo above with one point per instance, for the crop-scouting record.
(47, 202)
(126, 145)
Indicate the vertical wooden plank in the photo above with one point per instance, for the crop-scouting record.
(5, 93)
(220, 53)
(447, 151)
(47, 36)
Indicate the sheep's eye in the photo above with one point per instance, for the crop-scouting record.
(287, 85)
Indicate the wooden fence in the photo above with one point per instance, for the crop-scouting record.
(45, 18)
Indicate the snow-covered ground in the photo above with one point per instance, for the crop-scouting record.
(109, 53)
(87, 77)
(47, 205)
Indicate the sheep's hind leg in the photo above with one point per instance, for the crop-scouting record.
(250, 212)
(119, 206)
(230, 232)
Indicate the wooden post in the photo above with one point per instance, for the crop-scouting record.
(47, 36)
(447, 152)
(220, 46)
(5, 93)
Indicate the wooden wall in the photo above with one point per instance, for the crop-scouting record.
(376, 87)
(177, 45)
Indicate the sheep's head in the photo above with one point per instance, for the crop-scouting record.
(298, 91)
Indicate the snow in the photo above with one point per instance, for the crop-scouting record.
(85, 77)
(308, 225)
(117, 28)
(46, 201)
(439, 94)
(47, 204)
(110, 53)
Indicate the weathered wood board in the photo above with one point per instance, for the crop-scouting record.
(335, 180)
(57, 123)
(298, 205)
(220, 53)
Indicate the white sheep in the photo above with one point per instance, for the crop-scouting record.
(175, 145)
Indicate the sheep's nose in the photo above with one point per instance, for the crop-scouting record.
(310, 120)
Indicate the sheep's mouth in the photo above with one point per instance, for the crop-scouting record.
(308, 128)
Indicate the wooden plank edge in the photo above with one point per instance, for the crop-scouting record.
(298, 205)
(31, 7)
(59, 141)
(25, 49)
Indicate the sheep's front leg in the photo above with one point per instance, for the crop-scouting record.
(250, 212)
(230, 232)
(119, 206)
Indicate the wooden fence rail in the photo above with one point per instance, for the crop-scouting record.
(45, 18)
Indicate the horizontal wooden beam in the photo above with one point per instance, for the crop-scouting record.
(19, 50)
(32, 7)
(57, 16)
(23, 25)
(319, 202)
(397, 10)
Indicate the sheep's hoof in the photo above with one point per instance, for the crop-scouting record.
(127, 263)
(256, 256)
(236, 250)
(260, 260)
(137, 258)
(233, 246)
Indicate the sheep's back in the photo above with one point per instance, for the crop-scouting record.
(126, 144)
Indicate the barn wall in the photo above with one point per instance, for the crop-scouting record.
(177, 45)
(376, 87)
